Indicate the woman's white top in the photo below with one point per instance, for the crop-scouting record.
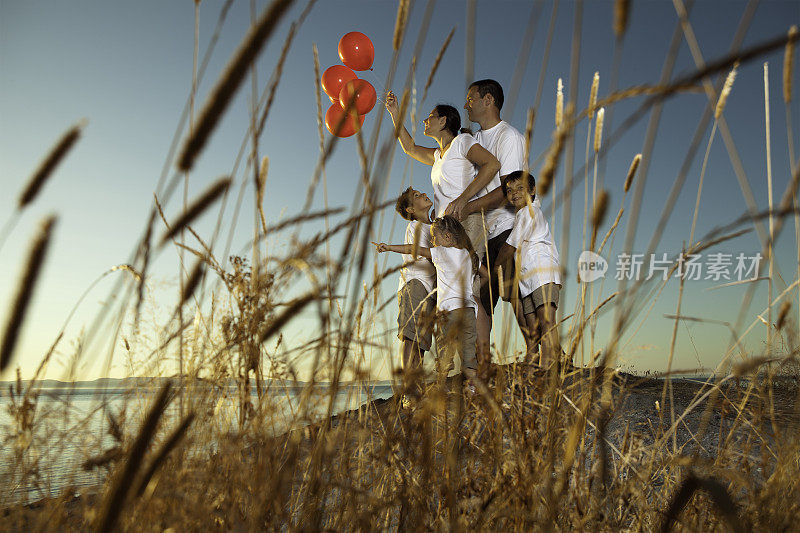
(451, 174)
(454, 278)
(421, 268)
(538, 254)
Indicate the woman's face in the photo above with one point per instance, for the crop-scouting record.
(433, 124)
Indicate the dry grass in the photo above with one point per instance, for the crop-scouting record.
(529, 449)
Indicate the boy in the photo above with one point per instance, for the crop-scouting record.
(417, 281)
(531, 242)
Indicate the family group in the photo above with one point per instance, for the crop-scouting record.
(483, 238)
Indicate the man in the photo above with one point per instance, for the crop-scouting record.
(483, 104)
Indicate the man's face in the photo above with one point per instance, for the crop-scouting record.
(473, 104)
(517, 193)
(420, 202)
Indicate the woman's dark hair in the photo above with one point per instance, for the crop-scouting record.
(518, 175)
(452, 118)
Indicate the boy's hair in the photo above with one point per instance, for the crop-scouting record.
(515, 176)
(450, 224)
(489, 87)
(452, 118)
(403, 203)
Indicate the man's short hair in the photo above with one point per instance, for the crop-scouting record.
(490, 87)
(517, 175)
(403, 203)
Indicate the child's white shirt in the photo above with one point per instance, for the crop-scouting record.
(451, 174)
(454, 278)
(538, 254)
(421, 268)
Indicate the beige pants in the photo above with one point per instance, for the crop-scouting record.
(456, 336)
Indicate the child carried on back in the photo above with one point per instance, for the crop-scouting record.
(456, 265)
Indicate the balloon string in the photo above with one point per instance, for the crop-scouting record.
(376, 82)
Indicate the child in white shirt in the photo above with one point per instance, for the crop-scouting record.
(456, 265)
(531, 242)
(415, 296)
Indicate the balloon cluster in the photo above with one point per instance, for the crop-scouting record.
(351, 97)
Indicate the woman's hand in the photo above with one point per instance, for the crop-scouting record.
(391, 104)
(380, 247)
(456, 209)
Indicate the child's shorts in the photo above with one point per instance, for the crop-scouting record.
(415, 317)
(457, 335)
(547, 293)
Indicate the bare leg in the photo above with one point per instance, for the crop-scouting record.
(412, 363)
(482, 349)
(551, 346)
(532, 337)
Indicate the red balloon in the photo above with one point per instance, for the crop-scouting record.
(333, 79)
(347, 125)
(361, 92)
(356, 51)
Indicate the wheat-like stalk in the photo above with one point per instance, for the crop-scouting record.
(49, 164)
(726, 91)
(123, 481)
(550, 165)
(788, 65)
(216, 190)
(598, 214)
(598, 130)
(559, 103)
(632, 171)
(19, 307)
(436, 62)
(531, 117)
(621, 10)
(193, 281)
(229, 82)
(593, 93)
(400, 24)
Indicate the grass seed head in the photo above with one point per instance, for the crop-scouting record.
(621, 11)
(786, 306)
(49, 164)
(593, 94)
(726, 90)
(559, 103)
(33, 267)
(598, 130)
(632, 171)
(788, 65)
(229, 82)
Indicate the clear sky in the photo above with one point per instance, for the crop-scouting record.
(127, 68)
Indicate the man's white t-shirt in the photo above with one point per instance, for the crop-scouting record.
(454, 278)
(421, 269)
(453, 173)
(538, 254)
(508, 145)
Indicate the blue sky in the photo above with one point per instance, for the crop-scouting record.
(127, 68)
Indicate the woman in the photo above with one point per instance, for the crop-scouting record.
(460, 168)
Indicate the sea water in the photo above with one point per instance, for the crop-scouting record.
(71, 425)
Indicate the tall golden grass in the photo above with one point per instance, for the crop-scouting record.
(528, 449)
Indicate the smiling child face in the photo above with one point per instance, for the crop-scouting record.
(517, 194)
